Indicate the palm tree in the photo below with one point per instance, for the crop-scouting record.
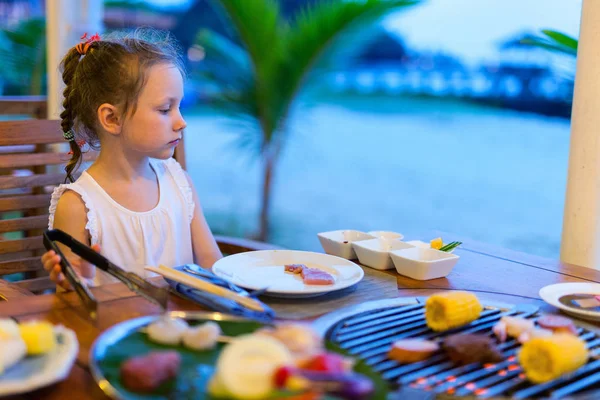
(260, 74)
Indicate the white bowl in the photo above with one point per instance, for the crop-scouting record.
(387, 235)
(375, 253)
(339, 243)
(425, 245)
(420, 243)
(423, 264)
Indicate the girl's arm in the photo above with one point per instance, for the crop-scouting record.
(71, 217)
(206, 250)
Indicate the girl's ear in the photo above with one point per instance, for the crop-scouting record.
(110, 119)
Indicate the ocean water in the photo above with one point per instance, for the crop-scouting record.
(379, 163)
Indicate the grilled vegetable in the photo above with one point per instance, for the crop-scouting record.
(38, 336)
(449, 310)
(412, 350)
(546, 358)
(349, 386)
(557, 324)
(329, 362)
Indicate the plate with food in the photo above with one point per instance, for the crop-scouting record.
(289, 273)
(33, 355)
(216, 356)
(579, 299)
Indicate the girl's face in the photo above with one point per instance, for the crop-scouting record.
(156, 127)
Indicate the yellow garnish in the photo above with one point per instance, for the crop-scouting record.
(437, 243)
(38, 336)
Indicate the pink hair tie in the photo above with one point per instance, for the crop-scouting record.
(83, 47)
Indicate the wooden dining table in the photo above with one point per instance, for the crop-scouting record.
(494, 274)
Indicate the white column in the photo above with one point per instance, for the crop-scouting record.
(66, 21)
(581, 221)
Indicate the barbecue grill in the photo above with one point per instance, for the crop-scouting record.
(368, 330)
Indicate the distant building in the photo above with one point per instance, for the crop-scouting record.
(381, 47)
(513, 51)
(528, 78)
(523, 78)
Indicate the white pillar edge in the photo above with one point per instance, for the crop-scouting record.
(580, 244)
(66, 21)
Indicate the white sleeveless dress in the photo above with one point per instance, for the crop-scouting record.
(133, 240)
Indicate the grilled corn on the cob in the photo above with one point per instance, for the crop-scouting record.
(449, 310)
(546, 358)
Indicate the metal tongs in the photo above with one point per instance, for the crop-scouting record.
(133, 281)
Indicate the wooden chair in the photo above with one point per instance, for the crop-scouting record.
(34, 106)
(26, 184)
(37, 107)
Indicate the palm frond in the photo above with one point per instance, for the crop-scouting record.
(553, 41)
(222, 53)
(228, 68)
(562, 39)
(257, 24)
(280, 56)
(226, 65)
(316, 31)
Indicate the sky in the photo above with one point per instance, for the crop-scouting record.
(471, 29)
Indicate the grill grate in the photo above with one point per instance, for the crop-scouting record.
(369, 335)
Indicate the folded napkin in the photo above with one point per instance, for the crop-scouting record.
(214, 302)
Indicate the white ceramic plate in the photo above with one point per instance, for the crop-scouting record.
(265, 268)
(551, 293)
(33, 373)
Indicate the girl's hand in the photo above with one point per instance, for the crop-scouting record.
(51, 262)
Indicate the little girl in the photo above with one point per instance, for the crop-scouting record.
(134, 202)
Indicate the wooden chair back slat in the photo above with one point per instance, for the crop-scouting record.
(15, 203)
(18, 133)
(35, 285)
(35, 106)
(30, 181)
(20, 265)
(24, 224)
(16, 256)
(35, 159)
(26, 148)
(18, 245)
